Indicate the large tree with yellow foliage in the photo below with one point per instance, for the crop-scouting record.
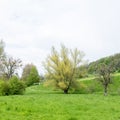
(62, 67)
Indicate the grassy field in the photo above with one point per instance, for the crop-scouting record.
(40, 103)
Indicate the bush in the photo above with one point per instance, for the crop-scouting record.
(17, 87)
(4, 88)
(12, 87)
(82, 89)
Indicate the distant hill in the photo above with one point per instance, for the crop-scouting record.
(113, 60)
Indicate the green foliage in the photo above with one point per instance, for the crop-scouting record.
(92, 86)
(81, 89)
(82, 71)
(33, 77)
(114, 88)
(12, 87)
(30, 75)
(16, 86)
(4, 88)
(62, 67)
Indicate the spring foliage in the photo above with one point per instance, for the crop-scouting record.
(12, 87)
(62, 66)
(30, 75)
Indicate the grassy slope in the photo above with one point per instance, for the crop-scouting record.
(96, 87)
(40, 103)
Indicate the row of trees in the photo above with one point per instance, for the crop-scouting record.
(9, 72)
(8, 65)
(63, 67)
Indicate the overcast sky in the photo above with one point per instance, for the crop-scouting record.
(30, 27)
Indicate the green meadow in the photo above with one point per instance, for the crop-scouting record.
(41, 103)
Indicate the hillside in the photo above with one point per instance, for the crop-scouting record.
(91, 85)
(113, 60)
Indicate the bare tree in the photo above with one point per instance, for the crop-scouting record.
(104, 76)
(10, 66)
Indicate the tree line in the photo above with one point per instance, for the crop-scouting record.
(10, 81)
(62, 67)
(111, 61)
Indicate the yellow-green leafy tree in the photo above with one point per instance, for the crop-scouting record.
(62, 67)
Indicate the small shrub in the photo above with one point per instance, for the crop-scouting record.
(4, 88)
(94, 86)
(12, 87)
(16, 86)
(81, 89)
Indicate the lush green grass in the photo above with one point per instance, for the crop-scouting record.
(93, 86)
(40, 103)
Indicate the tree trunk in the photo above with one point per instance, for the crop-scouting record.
(66, 91)
(105, 90)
